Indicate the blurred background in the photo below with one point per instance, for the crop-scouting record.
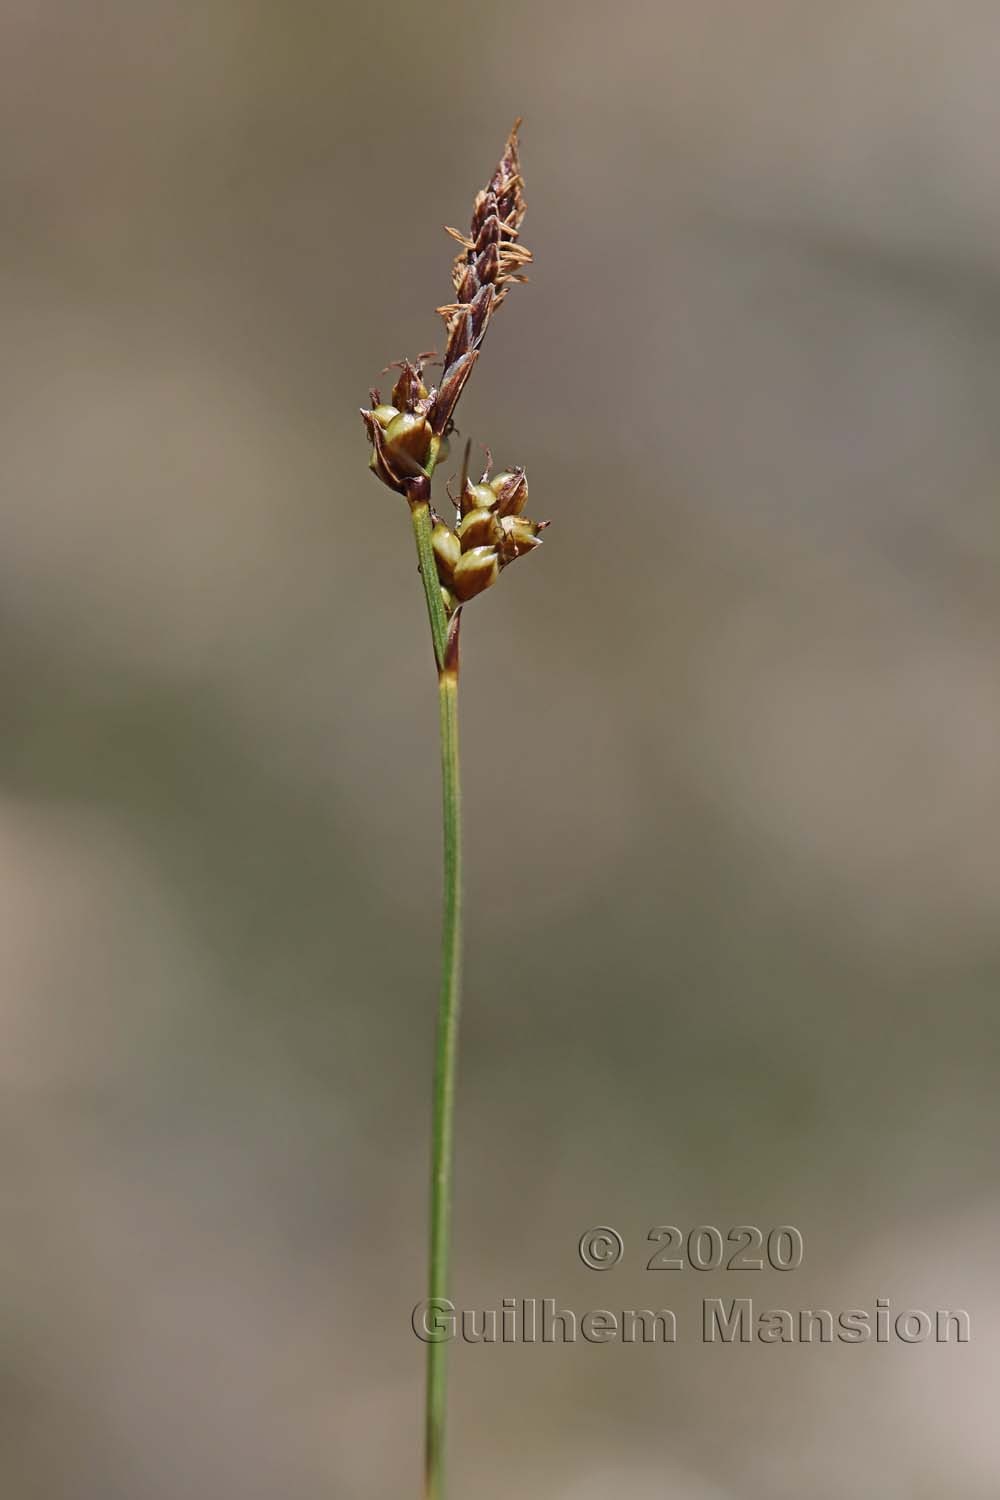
(730, 742)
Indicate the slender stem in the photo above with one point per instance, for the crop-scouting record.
(445, 639)
(442, 1150)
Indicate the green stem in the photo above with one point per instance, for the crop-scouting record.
(442, 1150)
(446, 1055)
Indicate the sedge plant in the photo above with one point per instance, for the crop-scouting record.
(458, 559)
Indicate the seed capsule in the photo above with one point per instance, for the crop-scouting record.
(479, 528)
(447, 551)
(384, 414)
(511, 491)
(409, 388)
(380, 462)
(408, 439)
(476, 570)
(477, 497)
(519, 536)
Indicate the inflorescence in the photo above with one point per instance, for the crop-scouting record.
(409, 433)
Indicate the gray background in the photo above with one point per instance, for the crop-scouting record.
(730, 741)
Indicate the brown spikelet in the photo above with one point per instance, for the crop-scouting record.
(490, 260)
